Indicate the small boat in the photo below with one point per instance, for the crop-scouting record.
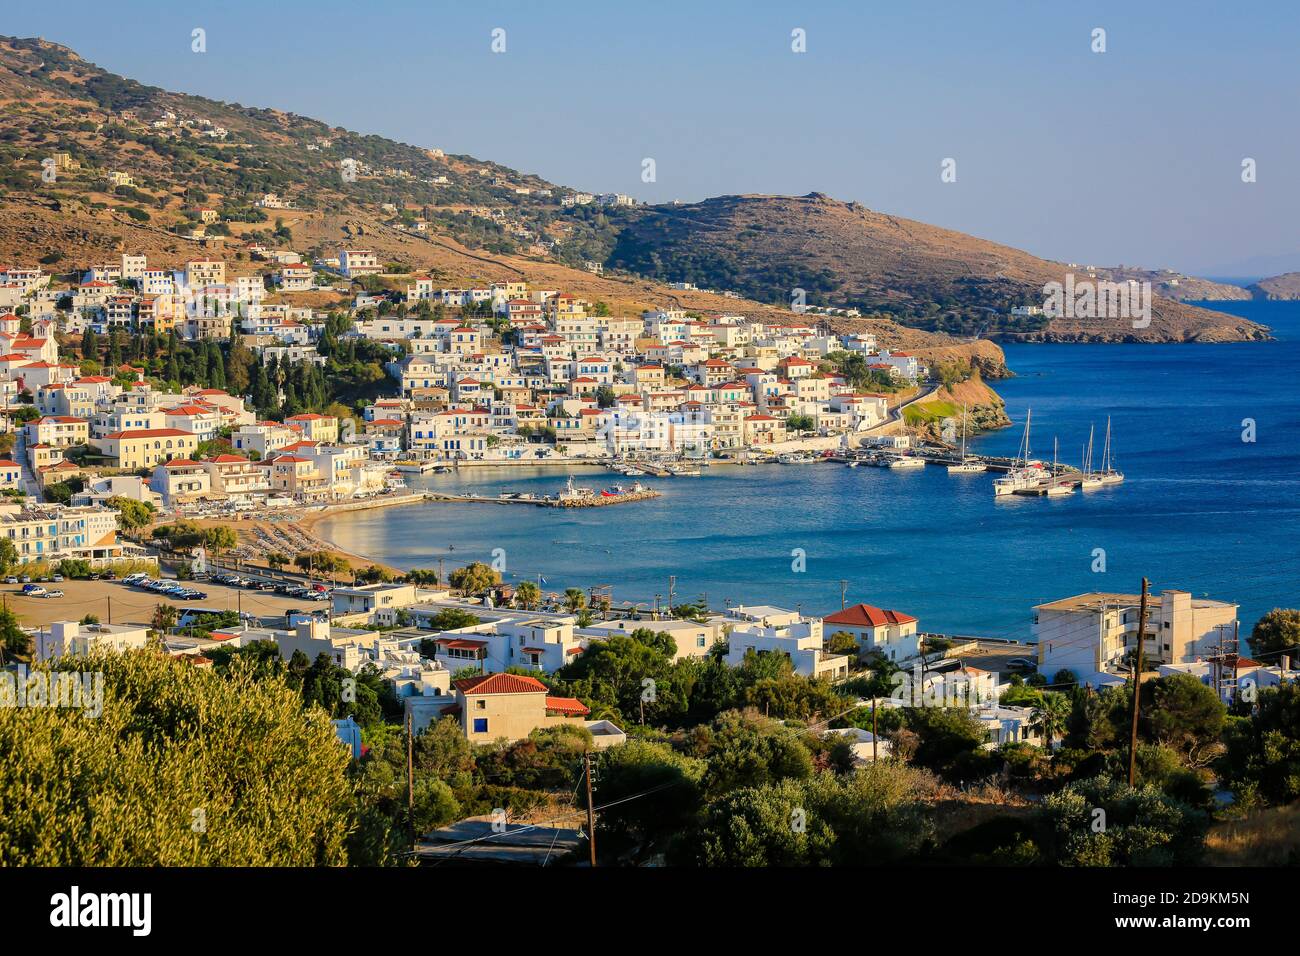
(907, 462)
(854, 463)
(1090, 481)
(795, 458)
(1023, 474)
(966, 466)
(1109, 475)
(1056, 488)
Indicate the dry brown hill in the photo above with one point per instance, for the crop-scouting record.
(844, 253)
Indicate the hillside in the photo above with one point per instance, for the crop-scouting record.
(1285, 286)
(845, 254)
(480, 220)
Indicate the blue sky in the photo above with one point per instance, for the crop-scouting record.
(1132, 155)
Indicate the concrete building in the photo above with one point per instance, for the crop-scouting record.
(891, 634)
(1090, 634)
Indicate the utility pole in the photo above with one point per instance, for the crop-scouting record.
(591, 809)
(873, 730)
(110, 610)
(410, 779)
(1137, 685)
(672, 586)
(844, 589)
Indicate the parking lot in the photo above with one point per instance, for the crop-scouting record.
(121, 604)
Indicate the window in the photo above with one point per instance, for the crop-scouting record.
(480, 725)
(480, 704)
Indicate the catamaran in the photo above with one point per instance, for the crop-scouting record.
(1090, 481)
(1110, 475)
(1022, 474)
(967, 466)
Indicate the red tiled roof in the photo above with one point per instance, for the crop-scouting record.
(567, 705)
(864, 615)
(501, 684)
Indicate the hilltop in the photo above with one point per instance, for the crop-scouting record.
(137, 164)
(844, 253)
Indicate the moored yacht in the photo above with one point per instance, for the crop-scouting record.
(1023, 474)
(966, 466)
(1110, 475)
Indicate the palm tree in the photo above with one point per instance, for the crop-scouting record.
(528, 594)
(164, 618)
(1050, 716)
(574, 599)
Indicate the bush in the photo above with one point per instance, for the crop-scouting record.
(181, 768)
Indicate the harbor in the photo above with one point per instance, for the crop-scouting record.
(573, 496)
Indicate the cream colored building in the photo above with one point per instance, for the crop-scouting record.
(147, 447)
(511, 706)
(317, 428)
(1090, 634)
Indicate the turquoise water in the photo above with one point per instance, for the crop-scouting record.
(1200, 510)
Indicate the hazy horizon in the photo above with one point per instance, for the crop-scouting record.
(1129, 156)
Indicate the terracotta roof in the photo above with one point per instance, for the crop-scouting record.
(567, 705)
(864, 615)
(500, 684)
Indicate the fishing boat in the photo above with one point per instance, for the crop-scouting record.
(966, 466)
(1109, 474)
(1090, 480)
(573, 493)
(1023, 474)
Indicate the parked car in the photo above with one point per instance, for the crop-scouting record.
(33, 590)
(58, 579)
(56, 593)
(11, 580)
(1021, 664)
(26, 579)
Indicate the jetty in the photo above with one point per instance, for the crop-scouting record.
(570, 497)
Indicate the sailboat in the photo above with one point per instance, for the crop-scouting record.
(967, 466)
(1109, 474)
(1090, 481)
(1057, 488)
(1021, 474)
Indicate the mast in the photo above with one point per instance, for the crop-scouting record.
(1029, 414)
(1087, 458)
(963, 434)
(1105, 455)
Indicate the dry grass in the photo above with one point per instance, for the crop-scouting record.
(1268, 837)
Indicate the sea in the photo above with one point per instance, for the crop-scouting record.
(1207, 436)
